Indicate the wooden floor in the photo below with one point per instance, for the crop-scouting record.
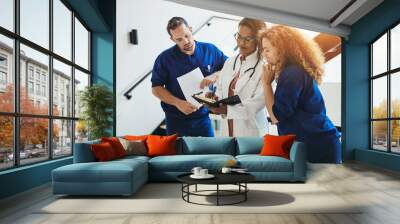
(378, 188)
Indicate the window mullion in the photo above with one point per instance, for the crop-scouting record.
(16, 83)
(371, 88)
(50, 77)
(388, 95)
(371, 97)
(73, 82)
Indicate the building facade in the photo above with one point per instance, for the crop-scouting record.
(34, 81)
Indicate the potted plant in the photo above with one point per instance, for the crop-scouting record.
(96, 102)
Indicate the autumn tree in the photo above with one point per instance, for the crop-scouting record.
(81, 129)
(396, 124)
(6, 122)
(33, 131)
(380, 127)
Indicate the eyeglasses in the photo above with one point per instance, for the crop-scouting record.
(246, 40)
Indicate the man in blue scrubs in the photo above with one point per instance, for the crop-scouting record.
(181, 116)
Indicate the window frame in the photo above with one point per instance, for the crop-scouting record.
(16, 114)
(3, 74)
(5, 58)
(3, 71)
(388, 74)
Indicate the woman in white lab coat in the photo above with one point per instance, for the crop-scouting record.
(241, 75)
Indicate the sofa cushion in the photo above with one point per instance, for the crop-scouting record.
(111, 171)
(257, 163)
(206, 145)
(83, 152)
(248, 145)
(132, 158)
(185, 163)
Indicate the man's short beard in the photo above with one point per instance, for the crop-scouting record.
(189, 48)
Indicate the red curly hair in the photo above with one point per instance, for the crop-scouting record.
(294, 48)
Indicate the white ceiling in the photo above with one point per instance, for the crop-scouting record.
(313, 15)
(321, 9)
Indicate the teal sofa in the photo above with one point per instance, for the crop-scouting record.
(125, 176)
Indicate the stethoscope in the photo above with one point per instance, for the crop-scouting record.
(253, 68)
(247, 70)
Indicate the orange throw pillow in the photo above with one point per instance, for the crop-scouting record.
(136, 137)
(277, 145)
(103, 152)
(161, 145)
(116, 145)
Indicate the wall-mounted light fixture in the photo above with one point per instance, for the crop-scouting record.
(133, 38)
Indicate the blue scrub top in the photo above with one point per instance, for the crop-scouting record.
(300, 108)
(173, 63)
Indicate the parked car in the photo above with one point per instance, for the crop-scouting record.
(36, 153)
(10, 157)
(57, 152)
(3, 157)
(22, 155)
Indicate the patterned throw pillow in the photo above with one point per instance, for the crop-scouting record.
(134, 147)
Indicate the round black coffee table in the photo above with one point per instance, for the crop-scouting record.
(238, 179)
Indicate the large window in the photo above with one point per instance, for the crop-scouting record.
(62, 30)
(7, 14)
(385, 95)
(44, 64)
(81, 45)
(35, 22)
(6, 73)
(3, 72)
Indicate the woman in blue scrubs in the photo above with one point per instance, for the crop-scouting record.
(297, 106)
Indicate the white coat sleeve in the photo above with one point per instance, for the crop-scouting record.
(249, 107)
(219, 91)
(220, 85)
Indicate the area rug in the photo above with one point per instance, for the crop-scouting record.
(167, 198)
